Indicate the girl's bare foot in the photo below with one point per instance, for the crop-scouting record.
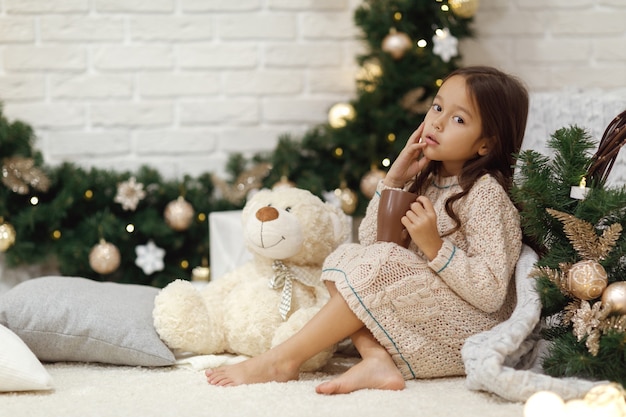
(374, 372)
(256, 370)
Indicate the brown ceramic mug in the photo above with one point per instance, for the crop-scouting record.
(392, 207)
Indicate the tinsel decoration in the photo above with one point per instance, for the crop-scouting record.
(555, 276)
(19, 174)
(247, 181)
(584, 238)
(129, 194)
(592, 321)
(415, 102)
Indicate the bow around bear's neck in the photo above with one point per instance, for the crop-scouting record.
(284, 277)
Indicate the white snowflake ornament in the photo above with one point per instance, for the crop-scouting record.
(129, 194)
(445, 45)
(150, 258)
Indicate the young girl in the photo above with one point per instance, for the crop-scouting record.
(409, 311)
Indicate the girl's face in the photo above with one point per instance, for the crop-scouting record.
(453, 128)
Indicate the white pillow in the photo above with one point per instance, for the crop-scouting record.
(20, 370)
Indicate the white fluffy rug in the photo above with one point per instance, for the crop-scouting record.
(101, 390)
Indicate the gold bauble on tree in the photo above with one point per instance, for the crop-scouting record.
(614, 296)
(284, 182)
(347, 198)
(179, 214)
(340, 114)
(463, 8)
(7, 235)
(396, 44)
(104, 258)
(370, 181)
(587, 280)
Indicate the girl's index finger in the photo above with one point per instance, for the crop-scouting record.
(425, 202)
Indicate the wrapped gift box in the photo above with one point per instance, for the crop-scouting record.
(228, 249)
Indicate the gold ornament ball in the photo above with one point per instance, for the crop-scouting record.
(7, 236)
(587, 280)
(104, 258)
(615, 296)
(463, 8)
(347, 199)
(179, 214)
(370, 181)
(340, 114)
(396, 44)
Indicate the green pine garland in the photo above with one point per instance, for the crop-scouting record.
(542, 183)
(78, 210)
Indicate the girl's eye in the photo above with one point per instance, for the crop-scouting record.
(436, 107)
(458, 119)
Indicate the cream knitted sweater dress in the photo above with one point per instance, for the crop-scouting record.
(422, 311)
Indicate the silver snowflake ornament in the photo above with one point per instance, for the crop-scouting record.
(445, 45)
(150, 258)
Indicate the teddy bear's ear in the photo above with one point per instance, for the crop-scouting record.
(341, 224)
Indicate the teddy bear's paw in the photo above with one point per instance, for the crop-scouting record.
(182, 320)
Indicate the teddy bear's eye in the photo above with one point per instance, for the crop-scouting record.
(288, 209)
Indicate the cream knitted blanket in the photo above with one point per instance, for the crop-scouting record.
(506, 359)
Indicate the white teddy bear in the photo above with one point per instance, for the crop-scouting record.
(258, 305)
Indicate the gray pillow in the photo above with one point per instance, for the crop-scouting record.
(81, 320)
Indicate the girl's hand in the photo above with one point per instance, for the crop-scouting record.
(421, 223)
(408, 164)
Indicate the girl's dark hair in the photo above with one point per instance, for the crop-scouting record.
(502, 101)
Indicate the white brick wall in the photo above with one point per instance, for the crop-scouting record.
(181, 84)
(553, 44)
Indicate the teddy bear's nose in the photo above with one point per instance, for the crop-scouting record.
(267, 214)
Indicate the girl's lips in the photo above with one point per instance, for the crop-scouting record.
(430, 140)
